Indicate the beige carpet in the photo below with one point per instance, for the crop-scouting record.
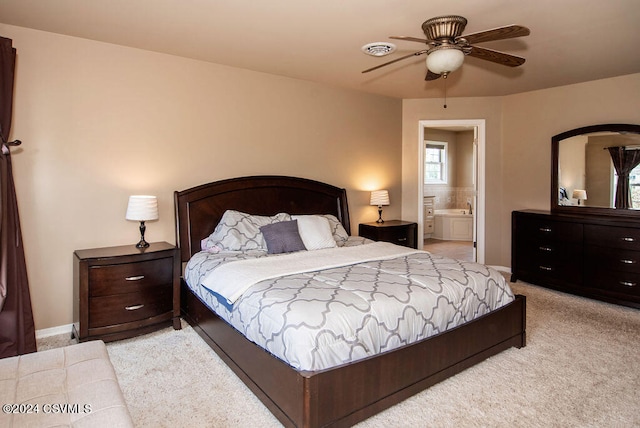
(580, 368)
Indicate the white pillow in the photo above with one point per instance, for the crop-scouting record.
(315, 232)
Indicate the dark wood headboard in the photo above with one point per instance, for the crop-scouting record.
(199, 209)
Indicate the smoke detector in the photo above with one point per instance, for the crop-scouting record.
(378, 48)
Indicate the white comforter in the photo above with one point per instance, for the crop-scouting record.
(231, 280)
(337, 312)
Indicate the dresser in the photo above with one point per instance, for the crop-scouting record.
(592, 256)
(120, 292)
(395, 231)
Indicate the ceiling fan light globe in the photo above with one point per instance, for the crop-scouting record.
(445, 59)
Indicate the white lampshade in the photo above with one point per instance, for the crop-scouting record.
(579, 194)
(142, 208)
(379, 197)
(445, 59)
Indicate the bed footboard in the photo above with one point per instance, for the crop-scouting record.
(345, 395)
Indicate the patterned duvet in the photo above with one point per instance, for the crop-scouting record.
(324, 318)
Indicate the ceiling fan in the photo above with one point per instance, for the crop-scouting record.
(447, 47)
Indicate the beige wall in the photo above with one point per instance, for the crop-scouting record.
(531, 119)
(100, 122)
(518, 144)
(489, 109)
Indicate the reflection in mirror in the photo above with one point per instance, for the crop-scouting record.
(597, 169)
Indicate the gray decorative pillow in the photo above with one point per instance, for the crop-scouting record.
(238, 231)
(282, 237)
(337, 229)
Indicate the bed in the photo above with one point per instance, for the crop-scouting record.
(344, 394)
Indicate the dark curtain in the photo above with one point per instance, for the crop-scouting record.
(17, 331)
(623, 161)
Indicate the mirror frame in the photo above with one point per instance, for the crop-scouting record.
(555, 140)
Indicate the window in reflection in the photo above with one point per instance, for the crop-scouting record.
(634, 184)
(586, 165)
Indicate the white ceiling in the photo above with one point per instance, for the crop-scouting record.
(571, 41)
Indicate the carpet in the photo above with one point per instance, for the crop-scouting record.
(580, 368)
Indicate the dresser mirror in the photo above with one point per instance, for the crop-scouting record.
(586, 165)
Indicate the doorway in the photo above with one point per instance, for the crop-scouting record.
(447, 196)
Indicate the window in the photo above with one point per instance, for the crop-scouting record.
(435, 164)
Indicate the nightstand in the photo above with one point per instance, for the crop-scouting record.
(395, 231)
(121, 292)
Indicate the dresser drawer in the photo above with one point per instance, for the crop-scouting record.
(610, 260)
(620, 283)
(542, 230)
(129, 277)
(123, 308)
(613, 237)
(535, 253)
(557, 261)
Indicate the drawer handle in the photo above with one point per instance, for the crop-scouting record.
(628, 239)
(545, 229)
(134, 278)
(547, 268)
(402, 239)
(628, 262)
(628, 284)
(134, 307)
(546, 249)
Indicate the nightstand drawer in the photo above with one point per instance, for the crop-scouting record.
(123, 308)
(129, 277)
(394, 235)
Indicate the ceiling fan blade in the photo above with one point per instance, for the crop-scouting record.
(431, 75)
(424, 51)
(496, 56)
(410, 39)
(501, 33)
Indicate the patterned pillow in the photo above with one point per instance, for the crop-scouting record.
(315, 231)
(238, 231)
(337, 229)
(282, 237)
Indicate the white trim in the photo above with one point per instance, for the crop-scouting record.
(54, 331)
(504, 269)
(479, 202)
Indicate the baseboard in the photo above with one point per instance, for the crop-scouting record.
(54, 331)
(501, 268)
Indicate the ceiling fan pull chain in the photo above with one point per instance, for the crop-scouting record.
(445, 92)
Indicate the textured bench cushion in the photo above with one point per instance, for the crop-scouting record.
(79, 376)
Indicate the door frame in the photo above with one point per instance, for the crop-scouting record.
(479, 159)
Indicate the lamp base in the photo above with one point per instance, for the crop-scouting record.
(379, 220)
(142, 243)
